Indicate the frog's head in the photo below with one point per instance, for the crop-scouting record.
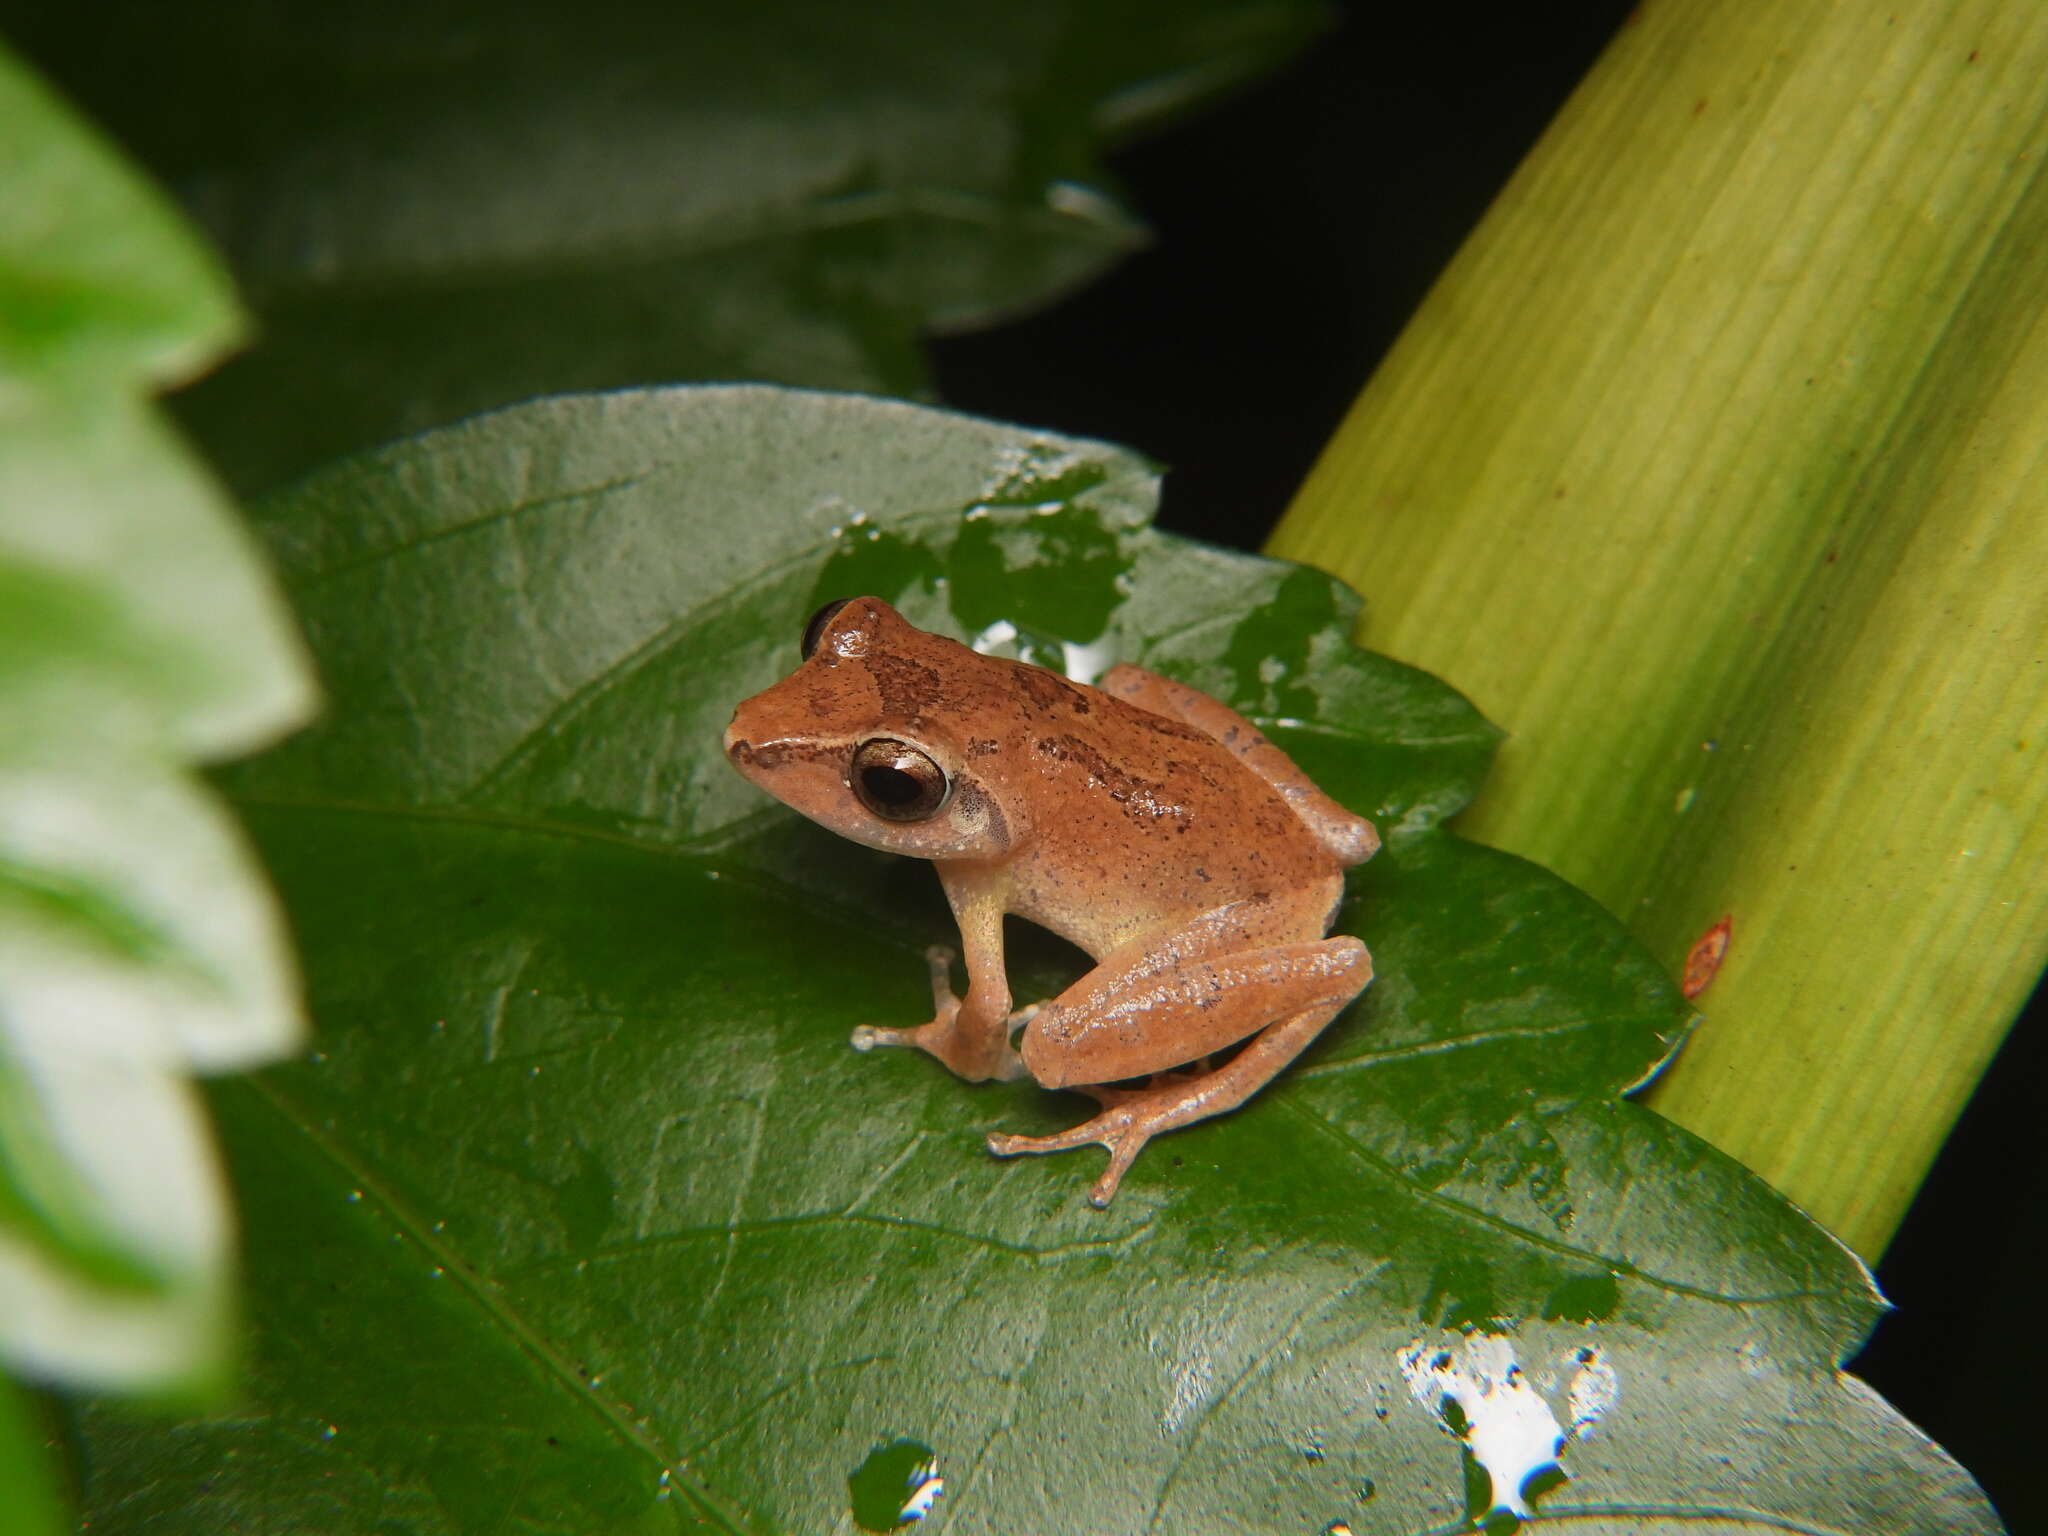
(869, 737)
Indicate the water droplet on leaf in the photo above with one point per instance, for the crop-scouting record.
(895, 1485)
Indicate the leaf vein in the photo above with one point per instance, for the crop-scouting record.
(1261, 1359)
(306, 579)
(1421, 1048)
(679, 1236)
(487, 1297)
(660, 638)
(1514, 1229)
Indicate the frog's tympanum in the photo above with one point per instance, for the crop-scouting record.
(1142, 819)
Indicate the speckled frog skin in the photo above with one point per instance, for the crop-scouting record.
(1143, 820)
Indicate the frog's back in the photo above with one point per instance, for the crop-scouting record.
(1144, 819)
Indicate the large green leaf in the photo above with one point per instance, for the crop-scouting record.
(444, 207)
(585, 1217)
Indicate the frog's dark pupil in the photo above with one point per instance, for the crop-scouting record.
(897, 781)
(890, 786)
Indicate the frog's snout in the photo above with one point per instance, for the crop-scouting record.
(755, 752)
(739, 745)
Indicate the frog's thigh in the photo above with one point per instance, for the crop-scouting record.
(1119, 1022)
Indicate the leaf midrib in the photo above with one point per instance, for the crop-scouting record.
(670, 1467)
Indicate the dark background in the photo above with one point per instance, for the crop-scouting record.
(1297, 226)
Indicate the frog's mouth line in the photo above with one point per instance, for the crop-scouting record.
(770, 755)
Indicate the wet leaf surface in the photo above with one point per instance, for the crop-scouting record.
(585, 1217)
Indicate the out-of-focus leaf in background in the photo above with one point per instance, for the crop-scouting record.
(138, 638)
(436, 208)
(584, 1216)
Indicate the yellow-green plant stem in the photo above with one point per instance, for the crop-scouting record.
(1716, 469)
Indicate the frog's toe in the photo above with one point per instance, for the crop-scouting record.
(1117, 1132)
(939, 958)
(868, 1036)
(1121, 1156)
(1022, 1146)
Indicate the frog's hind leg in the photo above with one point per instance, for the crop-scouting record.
(1132, 1117)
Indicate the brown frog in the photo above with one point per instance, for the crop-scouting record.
(1143, 820)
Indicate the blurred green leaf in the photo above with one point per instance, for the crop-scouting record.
(438, 208)
(138, 634)
(28, 1502)
(585, 1217)
(102, 280)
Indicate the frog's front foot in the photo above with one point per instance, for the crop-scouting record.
(945, 1008)
(970, 1046)
(867, 1036)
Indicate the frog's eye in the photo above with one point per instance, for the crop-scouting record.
(815, 630)
(896, 781)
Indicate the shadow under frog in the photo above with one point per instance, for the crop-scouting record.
(1143, 820)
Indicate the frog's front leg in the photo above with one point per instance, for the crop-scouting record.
(970, 1034)
(1147, 1011)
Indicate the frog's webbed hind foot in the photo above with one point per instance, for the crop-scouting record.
(1130, 1117)
(1133, 1116)
(1117, 1129)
